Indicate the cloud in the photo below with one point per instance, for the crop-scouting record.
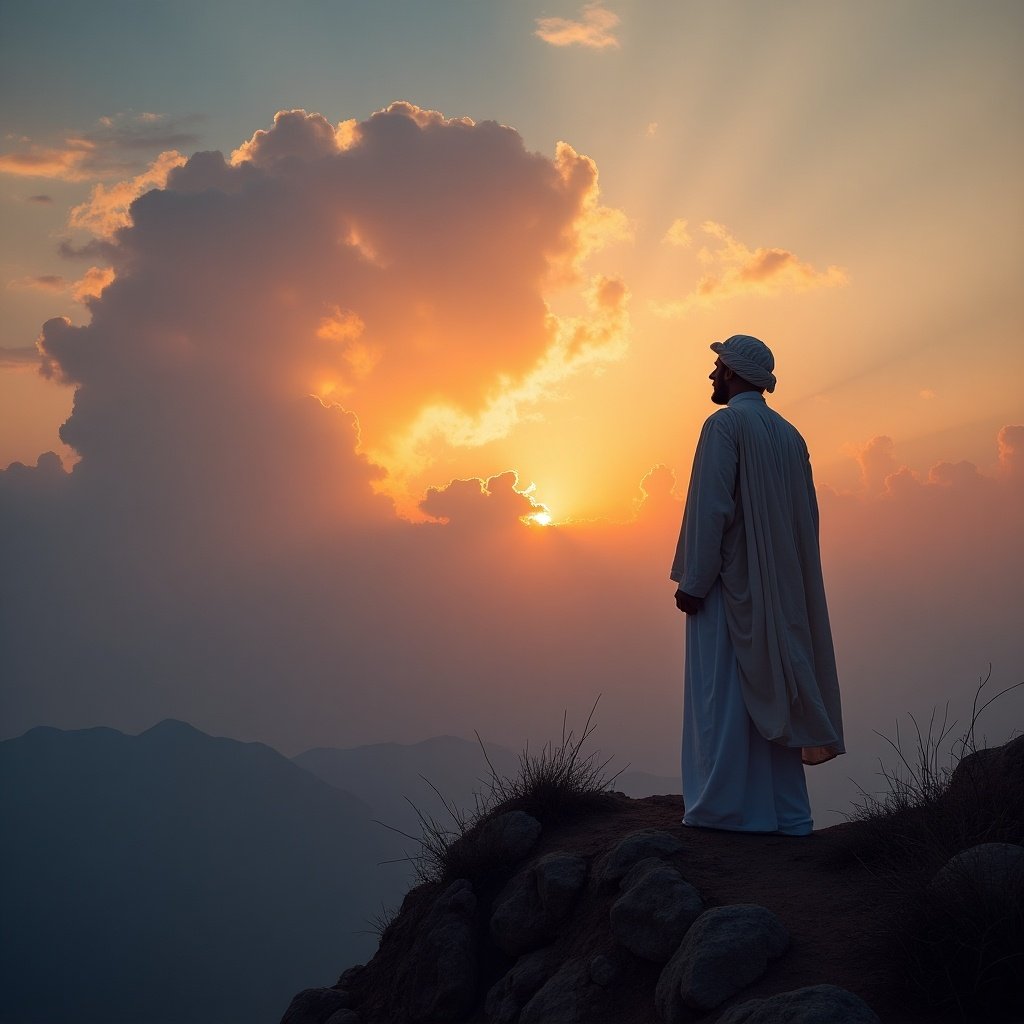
(40, 283)
(18, 358)
(92, 283)
(594, 29)
(43, 200)
(111, 149)
(736, 270)
(478, 503)
(678, 234)
(106, 209)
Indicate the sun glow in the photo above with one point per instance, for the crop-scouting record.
(541, 518)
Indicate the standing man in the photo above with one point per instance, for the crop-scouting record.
(761, 692)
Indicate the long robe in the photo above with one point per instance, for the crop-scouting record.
(751, 526)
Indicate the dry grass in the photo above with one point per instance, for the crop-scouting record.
(551, 785)
(963, 954)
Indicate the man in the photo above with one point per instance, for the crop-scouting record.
(761, 692)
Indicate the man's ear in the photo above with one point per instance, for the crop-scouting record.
(729, 373)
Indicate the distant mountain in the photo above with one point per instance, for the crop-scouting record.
(174, 877)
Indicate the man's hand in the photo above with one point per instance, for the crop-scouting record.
(688, 603)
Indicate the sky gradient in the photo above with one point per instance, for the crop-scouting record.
(387, 385)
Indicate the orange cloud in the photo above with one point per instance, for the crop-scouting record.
(486, 504)
(594, 29)
(92, 283)
(678, 234)
(106, 209)
(736, 269)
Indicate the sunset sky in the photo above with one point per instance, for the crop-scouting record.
(388, 382)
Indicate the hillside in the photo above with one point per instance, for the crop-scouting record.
(580, 919)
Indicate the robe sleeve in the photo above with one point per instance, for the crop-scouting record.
(710, 507)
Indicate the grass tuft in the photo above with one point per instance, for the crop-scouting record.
(551, 785)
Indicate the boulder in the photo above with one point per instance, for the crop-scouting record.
(514, 989)
(654, 911)
(636, 847)
(344, 1017)
(816, 1004)
(316, 1006)
(987, 874)
(724, 950)
(562, 999)
(535, 902)
(510, 835)
(604, 971)
(439, 978)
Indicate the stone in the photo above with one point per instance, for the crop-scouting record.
(816, 1004)
(987, 873)
(514, 989)
(528, 911)
(655, 909)
(604, 971)
(510, 835)
(439, 978)
(561, 999)
(724, 950)
(636, 847)
(344, 1017)
(316, 1006)
(350, 976)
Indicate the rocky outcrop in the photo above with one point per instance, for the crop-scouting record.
(724, 951)
(816, 1004)
(439, 978)
(316, 1006)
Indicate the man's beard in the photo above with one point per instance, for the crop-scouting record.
(719, 395)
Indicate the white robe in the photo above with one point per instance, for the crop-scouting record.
(751, 529)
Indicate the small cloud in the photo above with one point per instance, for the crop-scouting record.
(593, 30)
(678, 234)
(111, 149)
(40, 283)
(18, 358)
(734, 269)
(651, 130)
(478, 503)
(926, 393)
(41, 199)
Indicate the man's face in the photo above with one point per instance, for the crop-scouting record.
(719, 390)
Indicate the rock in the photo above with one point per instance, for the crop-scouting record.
(636, 847)
(535, 902)
(344, 1017)
(439, 978)
(816, 1004)
(512, 835)
(604, 971)
(986, 874)
(562, 999)
(654, 911)
(725, 949)
(350, 976)
(316, 1005)
(508, 995)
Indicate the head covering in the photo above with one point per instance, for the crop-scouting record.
(748, 358)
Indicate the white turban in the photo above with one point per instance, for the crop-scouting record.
(748, 358)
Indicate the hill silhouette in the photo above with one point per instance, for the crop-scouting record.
(172, 877)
